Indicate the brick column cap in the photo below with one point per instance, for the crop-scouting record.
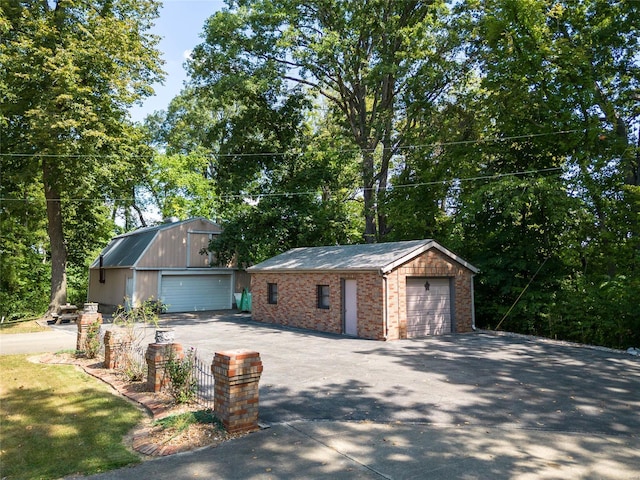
(239, 354)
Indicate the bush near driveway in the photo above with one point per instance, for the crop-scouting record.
(57, 421)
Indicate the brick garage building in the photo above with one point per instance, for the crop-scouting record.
(383, 291)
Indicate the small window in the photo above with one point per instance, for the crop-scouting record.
(272, 293)
(323, 296)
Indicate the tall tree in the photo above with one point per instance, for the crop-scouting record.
(71, 69)
(368, 60)
(559, 84)
(306, 198)
(187, 137)
(254, 158)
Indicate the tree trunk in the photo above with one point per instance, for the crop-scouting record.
(383, 179)
(369, 194)
(56, 239)
(143, 223)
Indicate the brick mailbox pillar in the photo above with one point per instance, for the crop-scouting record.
(116, 345)
(237, 374)
(86, 318)
(157, 356)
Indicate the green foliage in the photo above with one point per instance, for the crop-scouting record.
(70, 71)
(377, 65)
(512, 227)
(181, 421)
(24, 270)
(599, 312)
(303, 194)
(180, 186)
(145, 313)
(183, 384)
(93, 341)
(318, 207)
(24, 266)
(555, 89)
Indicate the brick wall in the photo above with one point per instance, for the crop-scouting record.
(297, 301)
(430, 264)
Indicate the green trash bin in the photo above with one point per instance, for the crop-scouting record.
(245, 301)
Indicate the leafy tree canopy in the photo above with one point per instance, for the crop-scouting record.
(71, 70)
(376, 63)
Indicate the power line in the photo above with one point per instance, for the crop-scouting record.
(277, 154)
(481, 177)
(310, 192)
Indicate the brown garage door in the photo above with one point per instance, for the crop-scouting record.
(428, 309)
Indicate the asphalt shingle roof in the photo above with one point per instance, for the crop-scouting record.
(125, 250)
(376, 256)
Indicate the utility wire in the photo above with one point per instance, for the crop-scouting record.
(310, 192)
(522, 293)
(280, 154)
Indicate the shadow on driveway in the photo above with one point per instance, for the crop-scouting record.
(468, 379)
(479, 380)
(456, 406)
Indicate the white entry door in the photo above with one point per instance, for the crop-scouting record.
(351, 307)
(428, 306)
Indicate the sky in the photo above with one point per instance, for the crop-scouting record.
(180, 25)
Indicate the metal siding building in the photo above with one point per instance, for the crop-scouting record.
(162, 262)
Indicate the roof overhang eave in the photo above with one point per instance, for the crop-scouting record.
(315, 270)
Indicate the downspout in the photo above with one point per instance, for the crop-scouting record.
(385, 312)
(473, 307)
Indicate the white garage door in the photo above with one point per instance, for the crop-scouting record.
(428, 306)
(188, 293)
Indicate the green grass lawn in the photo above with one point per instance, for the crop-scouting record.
(56, 420)
(22, 327)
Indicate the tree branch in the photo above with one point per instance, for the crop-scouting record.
(323, 92)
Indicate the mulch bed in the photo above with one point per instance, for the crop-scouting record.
(148, 439)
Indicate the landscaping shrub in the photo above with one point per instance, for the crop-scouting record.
(183, 386)
(93, 344)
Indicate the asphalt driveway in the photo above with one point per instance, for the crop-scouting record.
(458, 406)
(473, 379)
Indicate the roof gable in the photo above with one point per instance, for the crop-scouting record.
(126, 249)
(382, 257)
